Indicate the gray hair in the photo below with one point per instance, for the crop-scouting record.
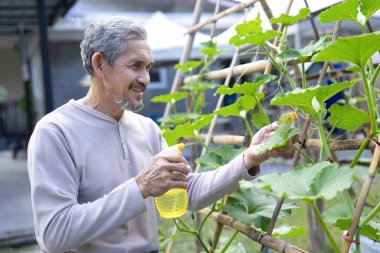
(108, 37)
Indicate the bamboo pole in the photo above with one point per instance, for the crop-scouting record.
(362, 199)
(178, 78)
(338, 145)
(248, 68)
(268, 69)
(220, 15)
(250, 232)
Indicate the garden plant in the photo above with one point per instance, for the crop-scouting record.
(302, 104)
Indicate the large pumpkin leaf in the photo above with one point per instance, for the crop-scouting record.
(345, 117)
(308, 182)
(249, 88)
(306, 52)
(170, 98)
(356, 49)
(350, 10)
(303, 98)
(290, 20)
(286, 231)
(244, 103)
(371, 229)
(218, 156)
(252, 208)
(279, 138)
(252, 32)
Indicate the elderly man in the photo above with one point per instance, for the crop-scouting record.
(95, 165)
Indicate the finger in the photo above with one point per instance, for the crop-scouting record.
(174, 158)
(179, 168)
(178, 184)
(178, 177)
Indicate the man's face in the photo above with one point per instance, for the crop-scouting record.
(128, 78)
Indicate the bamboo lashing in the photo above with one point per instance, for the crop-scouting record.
(222, 14)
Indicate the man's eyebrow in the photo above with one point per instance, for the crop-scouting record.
(141, 62)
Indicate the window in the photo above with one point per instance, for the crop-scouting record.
(158, 78)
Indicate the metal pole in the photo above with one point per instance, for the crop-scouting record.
(44, 48)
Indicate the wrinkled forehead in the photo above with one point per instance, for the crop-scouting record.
(138, 50)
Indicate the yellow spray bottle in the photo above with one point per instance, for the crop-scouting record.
(173, 203)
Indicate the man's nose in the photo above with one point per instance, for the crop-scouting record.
(144, 78)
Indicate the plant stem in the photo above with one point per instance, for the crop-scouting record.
(290, 79)
(206, 217)
(332, 130)
(374, 76)
(272, 60)
(304, 154)
(303, 76)
(370, 216)
(324, 145)
(279, 67)
(188, 230)
(371, 104)
(229, 242)
(195, 233)
(325, 229)
(248, 127)
(360, 151)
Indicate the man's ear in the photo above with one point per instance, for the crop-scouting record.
(97, 61)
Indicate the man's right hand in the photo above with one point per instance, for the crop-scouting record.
(162, 173)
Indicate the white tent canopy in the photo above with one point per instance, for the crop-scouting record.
(167, 39)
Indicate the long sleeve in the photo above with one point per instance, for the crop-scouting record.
(207, 187)
(61, 222)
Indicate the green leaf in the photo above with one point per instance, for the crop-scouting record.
(355, 69)
(218, 156)
(200, 86)
(371, 229)
(279, 138)
(290, 20)
(249, 88)
(254, 39)
(188, 66)
(305, 53)
(330, 180)
(347, 118)
(252, 32)
(187, 130)
(369, 7)
(286, 231)
(170, 98)
(356, 49)
(308, 182)
(210, 48)
(178, 118)
(245, 103)
(252, 208)
(339, 211)
(350, 10)
(302, 98)
(249, 26)
(260, 120)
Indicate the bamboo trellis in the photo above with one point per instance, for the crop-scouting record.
(304, 142)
